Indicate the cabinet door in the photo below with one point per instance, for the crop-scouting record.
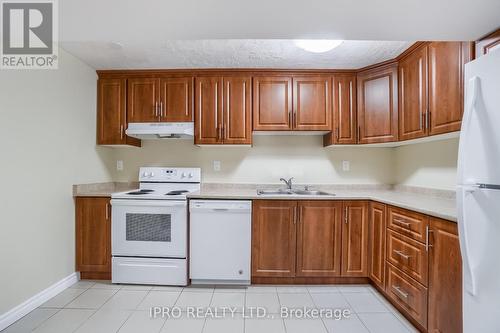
(344, 109)
(176, 99)
(273, 238)
(142, 100)
(272, 103)
(237, 106)
(376, 243)
(446, 64)
(319, 228)
(311, 103)
(413, 95)
(355, 239)
(208, 114)
(378, 105)
(445, 278)
(93, 235)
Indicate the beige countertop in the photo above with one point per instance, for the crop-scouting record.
(102, 189)
(438, 203)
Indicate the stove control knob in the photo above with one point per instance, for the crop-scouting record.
(151, 174)
(183, 175)
(190, 175)
(145, 174)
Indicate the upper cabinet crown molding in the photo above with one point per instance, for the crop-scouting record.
(488, 43)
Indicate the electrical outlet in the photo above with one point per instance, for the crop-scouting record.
(346, 166)
(216, 165)
(119, 165)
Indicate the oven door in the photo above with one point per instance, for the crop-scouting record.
(149, 228)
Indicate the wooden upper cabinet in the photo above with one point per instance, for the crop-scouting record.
(223, 110)
(446, 72)
(111, 113)
(378, 105)
(312, 103)
(176, 99)
(208, 114)
(413, 95)
(345, 124)
(93, 235)
(142, 100)
(319, 242)
(355, 239)
(273, 238)
(272, 103)
(445, 278)
(376, 243)
(488, 43)
(237, 110)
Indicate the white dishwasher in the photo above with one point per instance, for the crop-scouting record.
(220, 241)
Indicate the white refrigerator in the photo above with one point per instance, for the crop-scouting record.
(478, 195)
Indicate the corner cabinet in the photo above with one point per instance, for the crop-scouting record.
(274, 109)
(378, 105)
(93, 237)
(345, 126)
(355, 239)
(223, 110)
(111, 113)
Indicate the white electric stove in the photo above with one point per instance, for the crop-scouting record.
(149, 227)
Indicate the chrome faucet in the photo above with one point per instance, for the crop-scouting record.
(287, 182)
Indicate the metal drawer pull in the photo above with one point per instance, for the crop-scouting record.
(402, 254)
(400, 292)
(403, 223)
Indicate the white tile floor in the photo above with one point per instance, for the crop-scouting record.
(97, 306)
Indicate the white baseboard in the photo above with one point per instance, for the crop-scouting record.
(32, 303)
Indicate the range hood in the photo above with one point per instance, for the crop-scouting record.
(152, 131)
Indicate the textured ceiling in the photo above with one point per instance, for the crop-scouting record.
(231, 54)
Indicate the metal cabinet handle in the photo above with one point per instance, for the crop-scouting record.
(400, 292)
(427, 238)
(121, 132)
(295, 215)
(107, 212)
(156, 109)
(346, 218)
(161, 110)
(402, 254)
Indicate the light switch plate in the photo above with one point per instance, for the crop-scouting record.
(119, 165)
(346, 166)
(216, 165)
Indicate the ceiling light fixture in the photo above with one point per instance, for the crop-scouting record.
(317, 45)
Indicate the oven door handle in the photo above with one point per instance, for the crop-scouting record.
(148, 203)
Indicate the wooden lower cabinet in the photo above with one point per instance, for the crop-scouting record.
(410, 295)
(355, 239)
(93, 237)
(319, 238)
(273, 238)
(376, 243)
(445, 278)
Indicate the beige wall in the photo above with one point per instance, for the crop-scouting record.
(270, 158)
(432, 164)
(47, 131)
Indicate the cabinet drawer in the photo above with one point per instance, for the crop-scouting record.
(408, 255)
(408, 294)
(408, 223)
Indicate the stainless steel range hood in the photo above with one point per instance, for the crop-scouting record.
(154, 131)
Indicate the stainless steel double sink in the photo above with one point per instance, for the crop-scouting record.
(286, 192)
